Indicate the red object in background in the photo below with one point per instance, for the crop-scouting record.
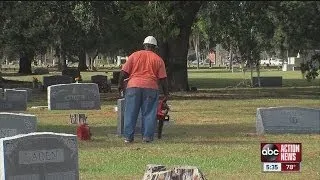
(83, 132)
(212, 56)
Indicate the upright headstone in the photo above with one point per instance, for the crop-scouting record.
(120, 119)
(102, 82)
(41, 71)
(39, 156)
(12, 124)
(115, 77)
(295, 120)
(72, 72)
(272, 81)
(29, 92)
(99, 78)
(56, 79)
(81, 96)
(13, 100)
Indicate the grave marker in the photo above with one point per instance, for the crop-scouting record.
(75, 96)
(120, 119)
(39, 156)
(29, 92)
(72, 72)
(13, 100)
(275, 81)
(295, 120)
(102, 82)
(12, 124)
(56, 79)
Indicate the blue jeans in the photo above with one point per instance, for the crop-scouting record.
(146, 100)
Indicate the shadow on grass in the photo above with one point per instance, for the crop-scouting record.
(106, 137)
(250, 93)
(209, 130)
(207, 83)
(210, 71)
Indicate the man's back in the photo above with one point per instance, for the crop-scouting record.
(144, 68)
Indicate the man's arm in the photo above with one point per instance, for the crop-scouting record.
(164, 85)
(123, 75)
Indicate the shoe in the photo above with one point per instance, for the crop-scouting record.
(128, 140)
(146, 140)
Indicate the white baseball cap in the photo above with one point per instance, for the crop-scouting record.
(150, 40)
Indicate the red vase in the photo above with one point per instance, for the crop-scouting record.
(83, 132)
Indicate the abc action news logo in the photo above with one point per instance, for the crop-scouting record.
(281, 152)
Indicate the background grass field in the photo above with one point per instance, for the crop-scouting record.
(211, 129)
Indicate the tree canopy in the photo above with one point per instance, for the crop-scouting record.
(80, 28)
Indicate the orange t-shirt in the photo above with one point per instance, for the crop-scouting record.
(145, 68)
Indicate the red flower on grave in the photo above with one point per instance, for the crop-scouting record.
(78, 78)
(34, 79)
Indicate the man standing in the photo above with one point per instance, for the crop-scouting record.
(143, 71)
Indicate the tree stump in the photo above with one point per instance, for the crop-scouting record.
(159, 172)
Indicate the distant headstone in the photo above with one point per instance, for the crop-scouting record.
(102, 82)
(120, 119)
(12, 124)
(41, 71)
(295, 120)
(39, 156)
(29, 92)
(99, 78)
(57, 79)
(13, 100)
(275, 81)
(115, 77)
(81, 96)
(73, 72)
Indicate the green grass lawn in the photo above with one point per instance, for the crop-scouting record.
(211, 130)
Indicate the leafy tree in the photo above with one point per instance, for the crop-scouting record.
(199, 35)
(298, 31)
(24, 30)
(172, 22)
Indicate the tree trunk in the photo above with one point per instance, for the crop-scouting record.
(251, 75)
(25, 63)
(175, 50)
(174, 53)
(195, 41)
(82, 66)
(258, 74)
(231, 58)
(61, 57)
(93, 61)
(63, 63)
(45, 59)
